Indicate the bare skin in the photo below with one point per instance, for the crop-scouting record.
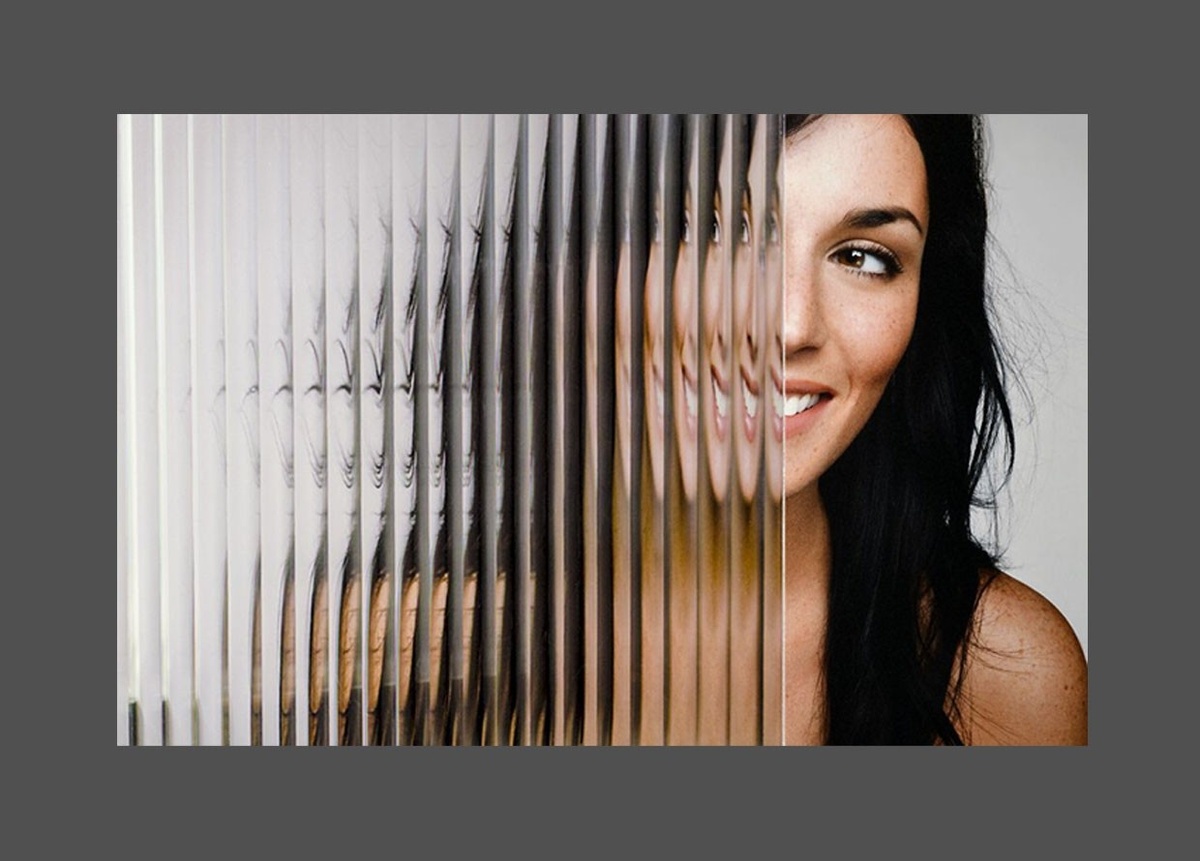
(1026, 676)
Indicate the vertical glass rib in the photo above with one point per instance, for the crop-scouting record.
(146, 560)
(540, 399)
(277, 661)
(375, 290)
(125, 518)
(573, 430)
(175, 424)
(682, 329)
(530, 712)
(511, 673)
(712, 425)
(307, 255)
(241, 421)
(462, 481)
(485, 409)
(408, 186)
(746, 430)
(441, 159)
(598, 281)
(663, 227)
(208, 424)
(341, 386)
(771, 300)
(475, 271)
(629, 305)
(553, 425)
(563, 519)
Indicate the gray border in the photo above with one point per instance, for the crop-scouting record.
(87, 70)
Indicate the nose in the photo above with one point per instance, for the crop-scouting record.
(803, 312)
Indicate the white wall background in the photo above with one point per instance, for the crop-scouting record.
(1039, 220)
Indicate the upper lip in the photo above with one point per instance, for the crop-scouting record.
(718, 378)
(748, 379)
(686, 373)
(794, 386)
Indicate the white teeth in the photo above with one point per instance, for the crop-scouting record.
(793, 404)
(799, 403)
(751, 401)
(720, 398)
(689, 399)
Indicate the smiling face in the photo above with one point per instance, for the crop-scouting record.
(857, 213)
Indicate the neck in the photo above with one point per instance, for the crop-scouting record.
(806, 593)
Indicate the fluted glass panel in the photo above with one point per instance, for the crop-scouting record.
(444, 430)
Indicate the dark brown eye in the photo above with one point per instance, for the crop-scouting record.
(744, 229)
(868, 261)
(716, 229)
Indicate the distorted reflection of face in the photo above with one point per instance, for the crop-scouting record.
(623, 350)
(857, 213)
(768, 303)
(348, 641)
(747, 369)
(318, 646)
(287, 674)
(716, 346)
(685, 354)
(377, 635)
(654, 353)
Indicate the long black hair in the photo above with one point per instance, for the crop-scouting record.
(906, 569)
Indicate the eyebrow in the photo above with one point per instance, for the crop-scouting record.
(879, 217)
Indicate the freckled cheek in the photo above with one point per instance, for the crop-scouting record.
(875, 338)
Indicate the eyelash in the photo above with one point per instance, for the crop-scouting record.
(891, 263)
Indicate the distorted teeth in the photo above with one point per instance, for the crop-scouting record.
(721, 399)
(689, 399)
(793, 404)
(751, 401)
(659, 399)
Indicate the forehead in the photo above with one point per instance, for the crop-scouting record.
(849, 161)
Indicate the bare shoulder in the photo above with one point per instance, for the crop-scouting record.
(1025, 680)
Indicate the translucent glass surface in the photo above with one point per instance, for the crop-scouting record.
(444, 430)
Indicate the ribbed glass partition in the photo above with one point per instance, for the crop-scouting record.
(446, 430)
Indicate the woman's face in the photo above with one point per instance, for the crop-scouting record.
(857, 212)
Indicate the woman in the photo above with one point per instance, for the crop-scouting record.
(888, 402)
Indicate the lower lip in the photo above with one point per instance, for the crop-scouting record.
(789, 426)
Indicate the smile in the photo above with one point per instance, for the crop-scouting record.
(793, 405)
(720, 398)
(689, 398)
(750, 399)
